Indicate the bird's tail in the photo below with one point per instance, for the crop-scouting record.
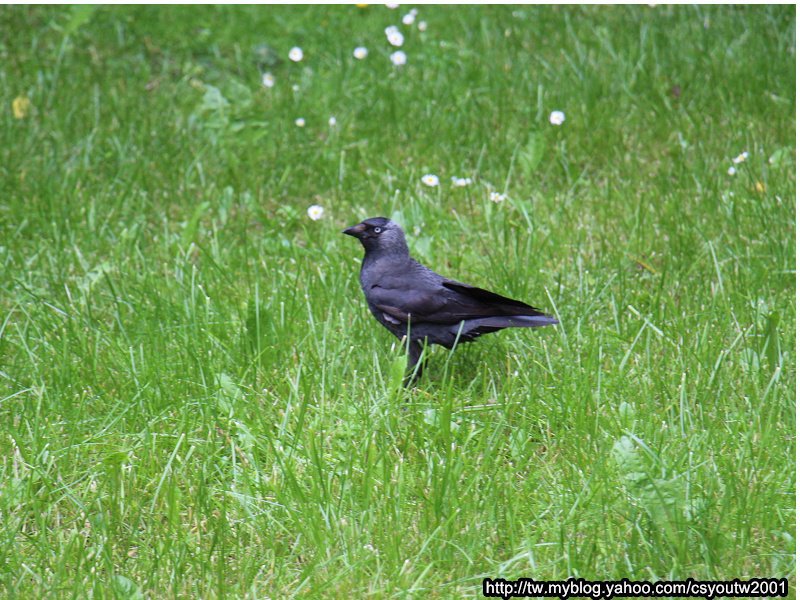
(472, 329)
(513, 321)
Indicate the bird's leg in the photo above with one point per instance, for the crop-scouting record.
(414, 367)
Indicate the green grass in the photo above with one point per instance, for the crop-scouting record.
(194, 399)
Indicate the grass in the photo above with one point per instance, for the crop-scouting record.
(194, 399)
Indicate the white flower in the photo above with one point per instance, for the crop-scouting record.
(496, 197)
(422, 26)
(398, 58)
(557, 117)
(392, 5)
(296, 54)
(332, 121)
(268, 80)
(394, 36)
(741, 158)
(295, 88)
(409, 18)
(430, 180)
(731, 170)
(315, 212)
(461, 181)
(301, 122)
(360, 53)
(390, 29)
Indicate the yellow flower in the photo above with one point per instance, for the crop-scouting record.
(760, 187)
(21, 106)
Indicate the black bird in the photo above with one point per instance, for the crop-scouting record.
(409, 299)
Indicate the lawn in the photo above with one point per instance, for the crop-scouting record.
(194, 399)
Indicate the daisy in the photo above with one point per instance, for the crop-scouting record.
(394, 36)
(496, 197)
(332, 121)
(392, 5)
(422, 26)
(268, 80)
(398, 58)
(409, 18)
(360, 53)
(557, 117)
(301, 122)
(461, 181)
(315, 212)
(741, 158)
(296, 54)
(430, 180)
(731, 170)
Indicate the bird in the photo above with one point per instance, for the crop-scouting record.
(420, 306)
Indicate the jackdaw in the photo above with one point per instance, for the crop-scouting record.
(411, 300)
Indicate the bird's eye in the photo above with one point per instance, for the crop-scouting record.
(377, 230)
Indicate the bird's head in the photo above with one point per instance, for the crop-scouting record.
(381, 234)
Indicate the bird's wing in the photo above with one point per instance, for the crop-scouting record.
(493, 304)
(482, 295)
(443, 302)
(404, 301)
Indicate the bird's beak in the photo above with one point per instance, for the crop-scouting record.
(355, 230)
